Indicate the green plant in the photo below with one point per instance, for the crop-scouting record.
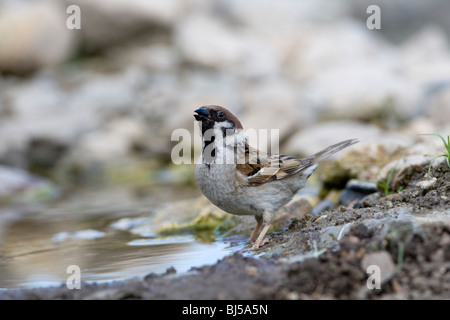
(385, 184)
(446, 152)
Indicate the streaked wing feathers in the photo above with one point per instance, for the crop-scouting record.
(260, 167)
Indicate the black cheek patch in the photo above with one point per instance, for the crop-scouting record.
(206, 125)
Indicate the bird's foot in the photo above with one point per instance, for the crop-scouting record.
(258, 244)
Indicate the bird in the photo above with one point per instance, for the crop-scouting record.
(243, 180)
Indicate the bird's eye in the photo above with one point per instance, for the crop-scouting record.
(220, 114)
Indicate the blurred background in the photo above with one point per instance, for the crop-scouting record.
(86, 115)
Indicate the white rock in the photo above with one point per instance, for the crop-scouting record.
(274, 104)
(345, 43)
(19, 186)
(321, 135)
(357, 92)
(209, 42)
(40, 37)
(154, 57)
(351, 73)
(42, 108)
(109, 22)
(427, 184)
(112, 143)
(437, 103)
(282, 24)
(13, 179)
(381, 260)
(426, 56)
(400, 168)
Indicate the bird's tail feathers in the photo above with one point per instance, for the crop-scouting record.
(325, 153)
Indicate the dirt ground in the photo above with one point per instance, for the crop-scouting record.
(405, 234)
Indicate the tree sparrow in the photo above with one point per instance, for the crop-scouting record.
(242, 180)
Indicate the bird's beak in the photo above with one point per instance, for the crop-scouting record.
(202, 114)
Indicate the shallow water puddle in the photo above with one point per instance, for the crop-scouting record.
(38, 253)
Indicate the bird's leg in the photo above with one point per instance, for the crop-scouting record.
(264, 220)
(261, 237)
(254, 233)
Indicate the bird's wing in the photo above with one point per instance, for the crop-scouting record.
(260, 167)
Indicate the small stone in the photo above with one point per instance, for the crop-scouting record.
(402, 170)
(383, 260)
(322, 217)
(300, 205)
(323, 206)
(426, 184)
(445, 240)
(357, 190)
(171, 270)
(251, 271)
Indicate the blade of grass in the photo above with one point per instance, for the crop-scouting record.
(437, 135)
(446, 153)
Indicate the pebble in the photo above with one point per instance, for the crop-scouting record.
(382, 260)
(17, 186)
(323, 206)
(356, 190)
(426, 184)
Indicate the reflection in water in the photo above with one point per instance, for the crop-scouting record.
(31, 257)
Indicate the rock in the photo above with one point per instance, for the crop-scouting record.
(43, 154)
(115, 141)
(209, 42)
(365, 159)
(40, 40)
(18, 186)
(381, 260)
(324, 205)
(299, 19)
(424, 144)
(399, 173)
(426, 184)
(40, 112)
(355, 190)
(426, 56)
(194, 215)
(82, 116)
(402, 19)
(111, 155)
(194, 33)
(157, 57)
(300, 206)
(340, 85)
(106, 23)
(436, 103)
(314, 138)
(280, 100)
(334, 195)
(341, 94)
